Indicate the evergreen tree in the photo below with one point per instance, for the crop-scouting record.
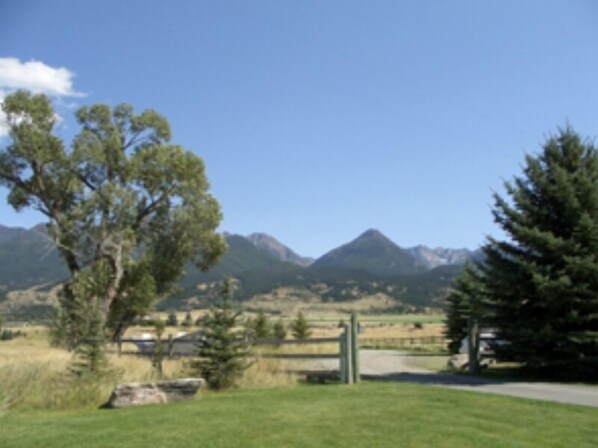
(89, 358)
(172, 320)
(279, 330)
(300, 327)
(261, 326)
(465, 301)
(224, 350)
(188, 321)
(158, 351)
(542, 281)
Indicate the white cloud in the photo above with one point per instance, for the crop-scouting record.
(36, 77)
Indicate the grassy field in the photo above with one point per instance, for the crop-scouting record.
(369, 415)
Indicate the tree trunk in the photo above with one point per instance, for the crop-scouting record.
(473, 345)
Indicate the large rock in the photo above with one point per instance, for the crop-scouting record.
(458, 362)
(137, 394)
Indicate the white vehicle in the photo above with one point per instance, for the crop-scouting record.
(488, 340)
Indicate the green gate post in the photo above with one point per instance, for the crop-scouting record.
(342, 340)
(349, 354)
(355, 348)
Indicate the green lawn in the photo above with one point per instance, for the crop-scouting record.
(368, 415)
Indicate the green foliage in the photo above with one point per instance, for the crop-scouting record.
(188, 321)
(279, 330)
(123, 202)
(542, 281)
(223, 353)
(172, 320)
(89, 358)
(158, 352)
(7, 335)
(58, 328)
(465, 300)
(300, 327)
(261, 327)
(418, 326)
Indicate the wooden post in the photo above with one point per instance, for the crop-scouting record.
(348, 354)
(170, 345)
(355, 348)
(119, 344)
(343, 356)
(473, 345)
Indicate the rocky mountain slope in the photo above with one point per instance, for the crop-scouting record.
(370, 269)
(373, 252)
(279, 250)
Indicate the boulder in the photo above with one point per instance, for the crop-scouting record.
(458, 362)
(137, 394)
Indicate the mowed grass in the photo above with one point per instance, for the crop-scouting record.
(366, 415)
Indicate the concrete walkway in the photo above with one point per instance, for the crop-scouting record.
(393, 365)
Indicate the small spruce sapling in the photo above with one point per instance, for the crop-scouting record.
(300, 327)
(158, 352)
(280, 331)
(188, 321)
(225, 347)
(172, 320)
(261, 326)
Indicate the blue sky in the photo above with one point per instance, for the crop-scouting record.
(320, 119)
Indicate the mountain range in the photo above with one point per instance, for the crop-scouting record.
(371, 265)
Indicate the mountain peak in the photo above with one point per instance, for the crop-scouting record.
(373, 234)
(371, 251)
(277, 249)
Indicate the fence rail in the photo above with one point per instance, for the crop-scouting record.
(347, 354)
(422, 341)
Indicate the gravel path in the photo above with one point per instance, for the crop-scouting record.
(393, 365)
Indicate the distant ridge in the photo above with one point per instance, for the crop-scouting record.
(439, 256)
(372, 252)
(279, 250)
(371, 265)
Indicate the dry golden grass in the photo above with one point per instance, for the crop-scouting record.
(288, 301)
(34, 375)
(389, 331)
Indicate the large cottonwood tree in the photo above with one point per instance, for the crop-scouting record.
(126, 208)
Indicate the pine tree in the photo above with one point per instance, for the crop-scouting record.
(261, 326)
(171, 320)
(89, 358)
(465, 301)
(279, 330)
(224, 350)
(300, 327)
(542, 281)
(158, 351)
(188, 321)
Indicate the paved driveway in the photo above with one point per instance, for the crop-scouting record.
(393, 365)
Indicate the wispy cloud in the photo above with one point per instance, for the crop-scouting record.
(36, 77)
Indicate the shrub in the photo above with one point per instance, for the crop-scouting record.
(225, 348)
(260, 326)
(300, 327)
(280, 331)
(172, 320)
(188, 321)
